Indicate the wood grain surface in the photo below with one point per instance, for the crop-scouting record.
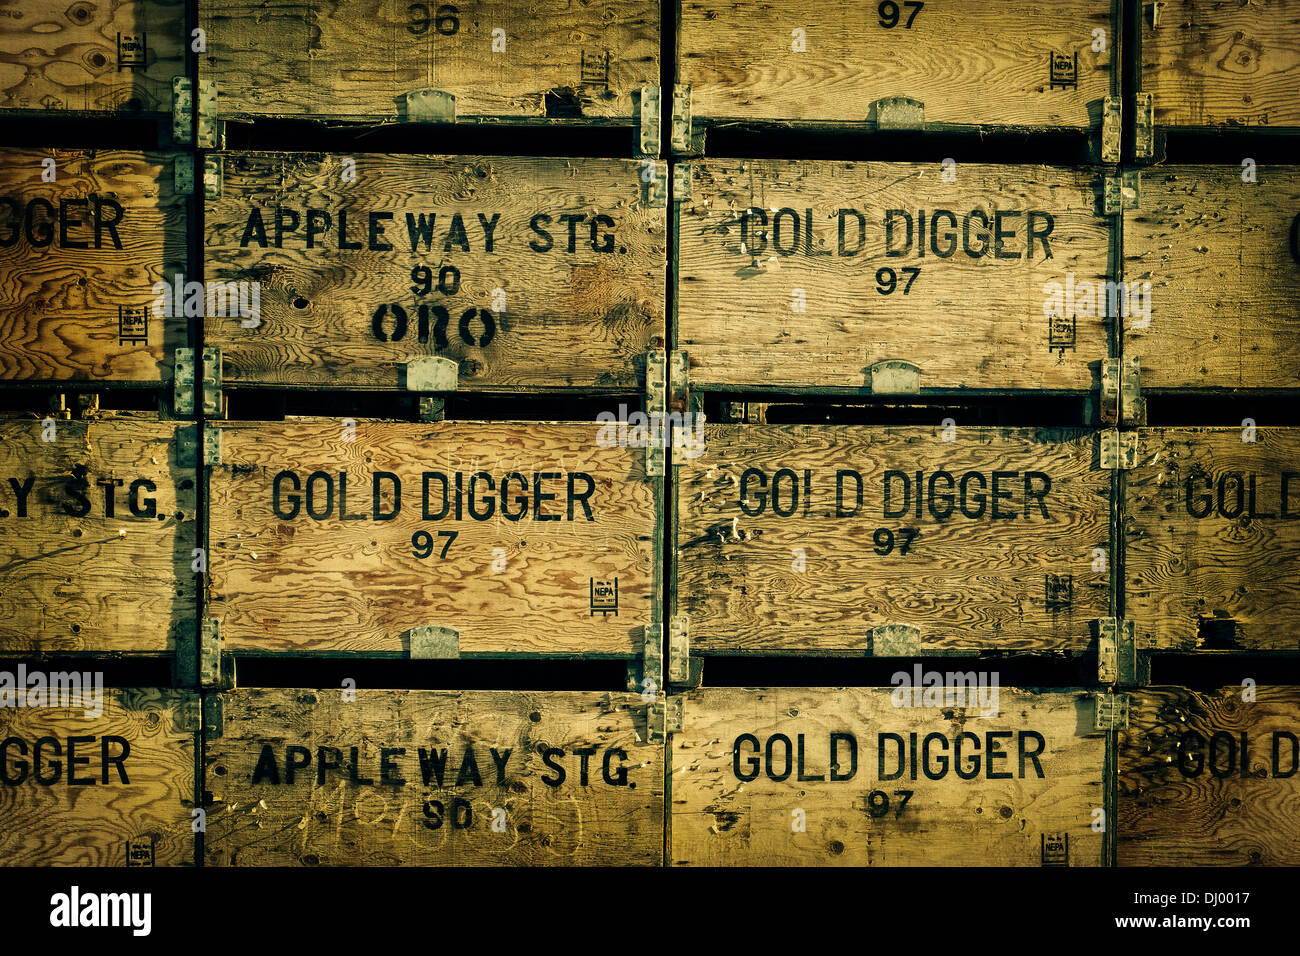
(94, 582)
(1190, 795)
(1223, 64)
(61, 305)
(508, 587)
(971, 320)
(87, 57)
(547, 811)
(101, 818)
(1239, 562)
(1047, 771)
(356, 60)
(970, 63)
(1221, 256)
(579, 318)
(815, 582)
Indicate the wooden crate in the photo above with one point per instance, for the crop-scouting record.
(459, 778)
(798, 776)
(313, 570)
(968, 64)
(777, 554)
(79, 258)
(1194, 557)
(98, 59)
(97, 529)
(1209, 65)
(462, 257)
(374, 61)
(1222, 257)
(785, 278)
(1209, 779)
(113, 788)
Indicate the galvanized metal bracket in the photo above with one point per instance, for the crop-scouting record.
(652, 659)
(893, 640)
(664, 717)
(183, 373)
(1144, 143)
(187, 446)
(681, 119)
(212, 176)
(1121, 192)
(432, 642)
(681, 182)
(649, 141)
(431, 373)
(1112, 711)
(210, 131)
(654, 184)
(1116, 651)
(679, 649)
(1111, 119)
(900, 113)
(427, 106)
(894, 377)
(656, 405)
(214, 718)
(209, 674)
(1117, 450)
(183, 175)
(1121, 391)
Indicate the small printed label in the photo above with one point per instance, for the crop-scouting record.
(1056, 849)
(133, 324)
(604, 597)
(132, 51)
(139, 851)
(1063, 71)
(1059, 591)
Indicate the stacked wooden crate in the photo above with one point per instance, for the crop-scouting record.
(948, 362)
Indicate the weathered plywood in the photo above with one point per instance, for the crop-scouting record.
(806, 274)
(1209, 779)
(283, 581)
(358, 60)
(970, 63)
(113, 788)
(466, 778)
(1208, 63)
(84, 57)
(1222, 257)
(529, 300)
(97, 529)
(79, 257)
(755, 782)
(812, 567)
(1212, 532)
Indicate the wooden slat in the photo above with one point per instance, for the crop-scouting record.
(546, 810)
(561, 318)
(355, 61)
(84, 312)
(780, 310)
(1223, 64)
(970, 63)
(508, 587)
(817, 582)
(1033, 803)
(1242, 566)
(1222, 257)
(101, 820)
(83, 57)
(1192, 793)
(119, 582)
